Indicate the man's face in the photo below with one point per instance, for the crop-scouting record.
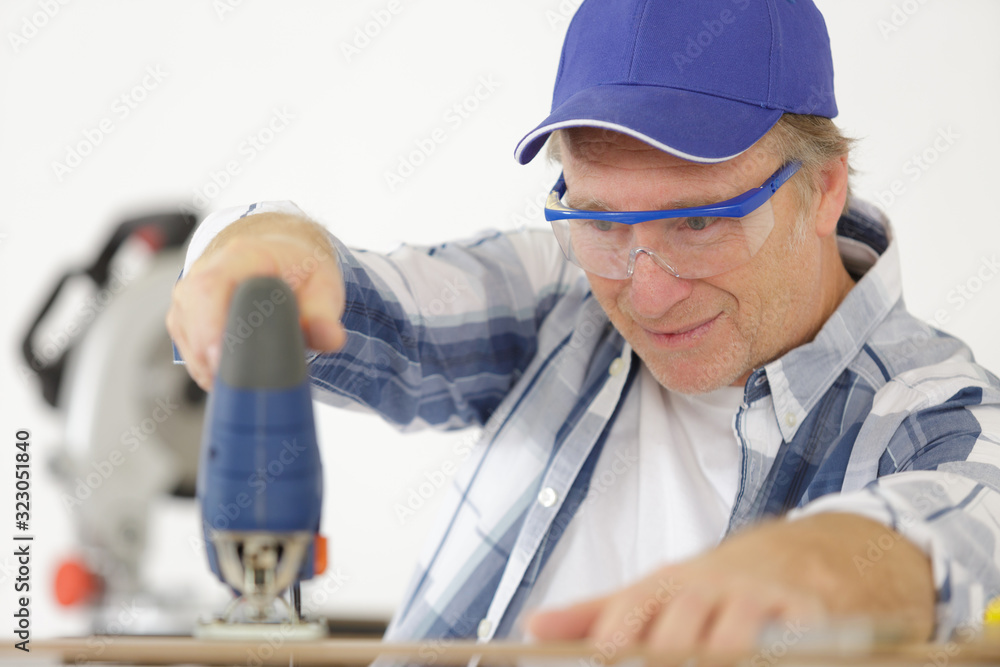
(698, 335)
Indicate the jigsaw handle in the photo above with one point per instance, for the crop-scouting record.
(260, 467)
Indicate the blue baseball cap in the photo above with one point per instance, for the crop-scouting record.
(699, 79)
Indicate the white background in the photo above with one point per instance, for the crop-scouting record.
(353, 118)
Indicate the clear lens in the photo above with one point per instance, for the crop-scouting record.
(687, 247)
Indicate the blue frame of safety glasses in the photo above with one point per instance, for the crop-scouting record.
(737, 207)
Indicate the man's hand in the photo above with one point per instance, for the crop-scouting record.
(294, 249)
(802, 572)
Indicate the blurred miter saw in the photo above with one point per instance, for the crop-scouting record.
(260, 482)
(132, 417)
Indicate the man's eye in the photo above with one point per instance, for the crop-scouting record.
(698, 224)
(603, 225)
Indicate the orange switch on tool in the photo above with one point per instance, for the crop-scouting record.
(75, 583)
(319, 555)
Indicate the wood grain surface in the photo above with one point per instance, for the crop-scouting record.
(273, 651)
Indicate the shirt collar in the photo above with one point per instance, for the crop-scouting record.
(799, 379)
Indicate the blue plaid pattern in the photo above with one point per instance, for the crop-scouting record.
(881, 415)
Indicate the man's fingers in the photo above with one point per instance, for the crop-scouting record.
(200, 304)
(205, 306)
(175, 328)
(178, 325)
(682, 624)
(742, 616)
(626, 617)
(321, 304)
(570, 623)
(738, 624)
(297, 253)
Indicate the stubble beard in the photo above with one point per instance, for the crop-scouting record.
(707, 369)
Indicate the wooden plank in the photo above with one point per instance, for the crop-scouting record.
(274, 651)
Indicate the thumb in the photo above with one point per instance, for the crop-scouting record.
(572, 622)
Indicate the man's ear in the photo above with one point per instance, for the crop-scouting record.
(832, 195)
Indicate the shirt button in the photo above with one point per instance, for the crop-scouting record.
(791, 419)
(483, 631)
(547, 497)
(616, 366)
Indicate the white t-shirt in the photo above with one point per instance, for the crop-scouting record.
(662, 491)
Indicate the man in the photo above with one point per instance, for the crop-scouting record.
(736, 363)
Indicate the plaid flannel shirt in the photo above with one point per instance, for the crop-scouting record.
(880, 415)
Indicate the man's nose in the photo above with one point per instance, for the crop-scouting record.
(653, 290)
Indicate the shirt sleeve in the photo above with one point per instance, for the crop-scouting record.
(218, 220)
(437, 335)
(945, 499)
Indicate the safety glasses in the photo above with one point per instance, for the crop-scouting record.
(689, 243)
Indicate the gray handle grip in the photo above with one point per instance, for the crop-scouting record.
(262, 347)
